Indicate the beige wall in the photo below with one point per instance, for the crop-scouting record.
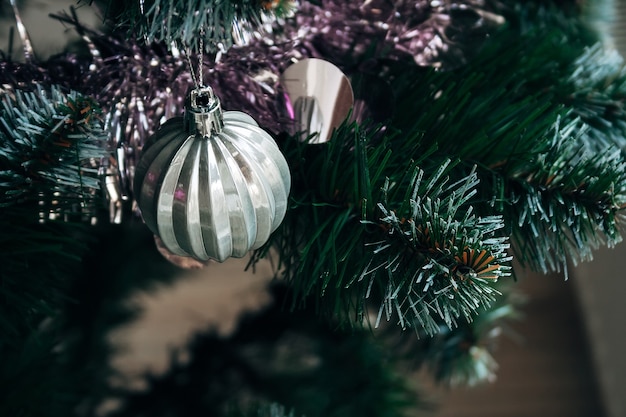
(601, 289)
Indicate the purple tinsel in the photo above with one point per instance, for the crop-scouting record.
(439, 33)
(140, 86)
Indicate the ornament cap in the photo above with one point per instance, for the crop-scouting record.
(203, 112)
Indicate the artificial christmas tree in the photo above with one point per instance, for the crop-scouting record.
(480, 132)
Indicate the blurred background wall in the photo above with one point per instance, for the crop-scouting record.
(601, 289)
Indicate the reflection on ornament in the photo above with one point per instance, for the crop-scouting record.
(212, 184)
(318, 98)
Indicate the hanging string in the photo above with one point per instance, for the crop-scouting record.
(199, 80)
(193, 75)
(201, 57)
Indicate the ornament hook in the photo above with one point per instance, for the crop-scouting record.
(203, 112)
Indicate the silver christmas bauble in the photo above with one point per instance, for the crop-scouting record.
(211, 184)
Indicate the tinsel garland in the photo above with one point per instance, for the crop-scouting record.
(141, 85)
(432, 33)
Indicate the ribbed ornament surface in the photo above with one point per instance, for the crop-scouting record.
(212, 194)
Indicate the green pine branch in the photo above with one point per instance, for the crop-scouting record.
(384, 223)
(543, 134)
(595, 91)
(50, 146)
(439, 257)
(567, 202)
(187, 24)
(366, 234)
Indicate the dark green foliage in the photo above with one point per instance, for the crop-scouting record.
(33, 379)
(121, 261)
(292, 359)
(271, 410)
(57, 352)
(36, 260)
